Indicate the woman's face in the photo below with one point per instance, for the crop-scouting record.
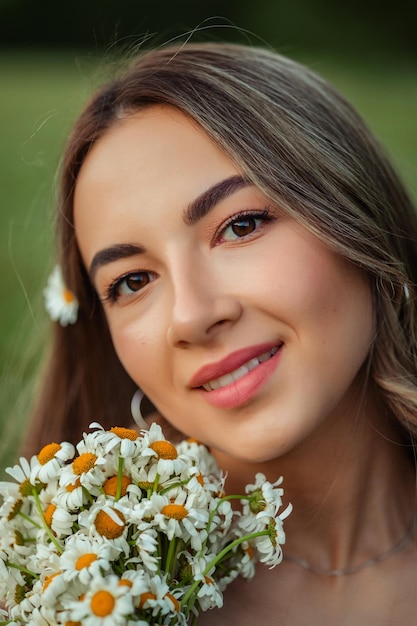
(243, 329)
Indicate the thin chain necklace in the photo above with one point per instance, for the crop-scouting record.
(316, 569)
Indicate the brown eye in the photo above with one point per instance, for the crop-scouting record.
(244, 227)
(241, 227)
(137, 281)
(129, 284)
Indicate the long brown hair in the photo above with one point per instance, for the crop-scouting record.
(303, 146)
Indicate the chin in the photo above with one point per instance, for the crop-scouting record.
(256, 453)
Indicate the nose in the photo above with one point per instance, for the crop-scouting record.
(202, 306)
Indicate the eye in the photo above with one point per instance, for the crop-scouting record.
(128, 285)
(243, 225)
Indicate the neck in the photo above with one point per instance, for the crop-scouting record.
(339, 480)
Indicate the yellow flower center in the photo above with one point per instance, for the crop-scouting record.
(49, 579)
(20, 593)
(145, 485)
(125, 433)
(249, 551)
(145, 597)
(48, 452)
(174, 601)
(15, 510)
(125, 582)
(70, 488)
(174, 511)
(73, 624)
(272, 529)
(19, 538)
(102, 603)
(85, 560)
(208, 580)
(257, 501)
(200, 479)
(84, 463)
(164, 449)
(50, 510)
(25, 488)
(110, 486)
(68, 296)
(107, 527)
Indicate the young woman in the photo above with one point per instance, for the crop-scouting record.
(243, 252)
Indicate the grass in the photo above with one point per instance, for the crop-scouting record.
(41, 95)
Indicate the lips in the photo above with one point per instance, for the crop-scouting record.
(231, 369)
(237, 379)
(241, 371)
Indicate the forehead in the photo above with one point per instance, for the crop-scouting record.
(153, 161)
(152, 143)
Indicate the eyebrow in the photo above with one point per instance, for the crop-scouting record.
(114, 253)
(203, 204)
(195, 211)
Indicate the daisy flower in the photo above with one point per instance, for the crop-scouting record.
(89, 467)
(209, 594)
(126, 442)
(23, 471)
(158, 598)
(147, 546)
(84, 558)
(71, 497)
(22, 611)
(245, 565)
(179, 517)
(269, 546)
(50, 461)
(60, 303)
(59, 520)
(128, 529)
(264, 496)
(108, 521)
(45, 559)
(201, 456)
(53, 585)
(106, 603)
(167, 460)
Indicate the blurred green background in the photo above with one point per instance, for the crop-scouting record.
(53, 54)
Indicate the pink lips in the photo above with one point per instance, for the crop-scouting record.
(241, 391)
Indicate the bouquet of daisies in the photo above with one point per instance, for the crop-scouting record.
(127, 528)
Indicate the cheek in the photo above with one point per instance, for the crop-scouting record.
(294, 287)
(136, 348)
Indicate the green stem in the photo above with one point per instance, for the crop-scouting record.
(88, 495)
(45, 525)
(170, 556)
(180, 483)
(29, 519)
(155, 484)
(22, 569)
(213, 513)
(219, 557)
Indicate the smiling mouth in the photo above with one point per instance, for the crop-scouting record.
(231, 377)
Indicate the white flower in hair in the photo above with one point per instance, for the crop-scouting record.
(60, 303)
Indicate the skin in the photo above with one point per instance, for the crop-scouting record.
(228, 282)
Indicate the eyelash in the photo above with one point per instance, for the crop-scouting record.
(264, 216)
(111, 294)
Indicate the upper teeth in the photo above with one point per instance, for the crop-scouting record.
(227, 379)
